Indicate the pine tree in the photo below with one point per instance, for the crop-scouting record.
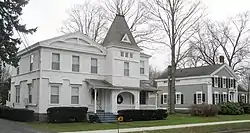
(10, 12)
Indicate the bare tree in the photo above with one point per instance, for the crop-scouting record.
(89, 19)
(153, 74)
(230, 39)
(174, 19)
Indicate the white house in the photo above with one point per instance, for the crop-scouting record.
(73, 70)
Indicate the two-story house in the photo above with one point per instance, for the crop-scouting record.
(210, 84)
(73, 70)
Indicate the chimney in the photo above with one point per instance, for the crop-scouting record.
(221, 59)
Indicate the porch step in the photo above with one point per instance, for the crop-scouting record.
(106, 117)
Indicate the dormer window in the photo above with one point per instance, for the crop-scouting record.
(125, 38)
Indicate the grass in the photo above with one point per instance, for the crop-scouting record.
(171, 120)
(232, 128)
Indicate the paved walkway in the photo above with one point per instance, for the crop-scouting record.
(126, 130)
(7, 126)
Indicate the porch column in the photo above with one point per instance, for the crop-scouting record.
(114, 101)
(137, 103)
(156, 100)
(236, 93)
(95, 99)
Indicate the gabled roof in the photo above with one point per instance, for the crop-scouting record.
(117, 31)
(193, 71)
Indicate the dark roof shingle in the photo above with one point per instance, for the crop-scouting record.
(193, 71)
(117, 30)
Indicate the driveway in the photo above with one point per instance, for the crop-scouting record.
(15, 127)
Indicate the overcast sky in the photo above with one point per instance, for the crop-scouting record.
(48, 15)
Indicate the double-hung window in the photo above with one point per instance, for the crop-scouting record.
(165, 98)
(142, 67)
(178, 98)
(216, 82)
(224, 82)
(17, 94)
(55, 61)
(75, 95)
(75, 63)
(94, 65)
(54, 96)
(126, 68)
(216, 98)
(31, 61)
(199, 98)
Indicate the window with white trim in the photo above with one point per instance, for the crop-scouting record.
(54, 94)
(75, 63)
(17, 94)
(231, 96)
(216, 98)
(178, 97)
(55, 61)
(131, 55)
(199, 98)
(126, 54)
(94, 66)
(126, 68)
(216, 82)
(165, 98)
(142, 67)
(75, 95)
(122, 54)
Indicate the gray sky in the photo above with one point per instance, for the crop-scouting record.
(48, 15)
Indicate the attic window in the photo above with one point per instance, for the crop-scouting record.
(125, 38)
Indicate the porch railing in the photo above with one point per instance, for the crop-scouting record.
(125, 106)
(143, 106)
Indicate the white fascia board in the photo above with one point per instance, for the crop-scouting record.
(185, 78)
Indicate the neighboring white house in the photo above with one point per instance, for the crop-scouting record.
(73, 70)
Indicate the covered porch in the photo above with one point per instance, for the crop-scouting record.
(108, 98)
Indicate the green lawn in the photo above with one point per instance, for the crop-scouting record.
(171, 120)
(233, 128)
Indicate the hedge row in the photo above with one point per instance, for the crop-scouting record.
(231, 108)
(204, 110)
(67, 114)
(24, 115)
(142, 115)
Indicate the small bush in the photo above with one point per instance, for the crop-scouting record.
(67, 114)
(142, 115)
(94, 119)
(24, 115)
(204, 110)
(246, 107)
(231, 109)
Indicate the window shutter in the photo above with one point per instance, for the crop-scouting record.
(203, 98)
(182, 98)
(227, 98)
(213, 99)
(234, 83)
(219, 84)
(212, 81)
(161, 98)
(239, 99)
(194, 98)
(221, 98)
(175, 99)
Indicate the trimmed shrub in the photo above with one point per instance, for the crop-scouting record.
(142, 115)
(204, 110)
(67, 114)
(14, 114)
(246, 107)
(94, 119)
(231, 109)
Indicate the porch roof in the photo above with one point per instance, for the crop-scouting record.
(101, 84)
